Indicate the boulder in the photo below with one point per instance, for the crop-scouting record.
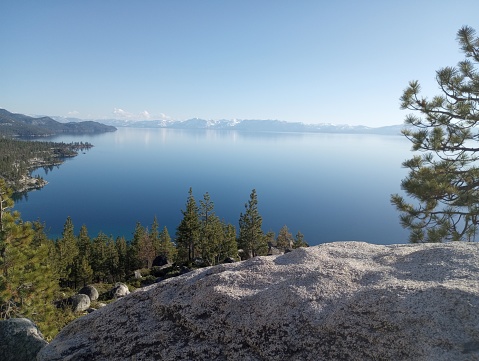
(79, 302)
(20, 340)
(90, 291)
(337, 301)
(120, 290)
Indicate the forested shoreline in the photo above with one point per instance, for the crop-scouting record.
(37, 273)
(19, 158)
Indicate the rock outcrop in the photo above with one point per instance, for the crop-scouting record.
(20, 340)
(90, 291)
(337, 301)
(79, 302)
(120, 290)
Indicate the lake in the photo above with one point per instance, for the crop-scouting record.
(328, 186)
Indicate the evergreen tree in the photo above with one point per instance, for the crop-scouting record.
(299, 241)
(270, 239)
(84, 242)
(211, 231)
(251, 238)
(285, 239)
(112, 263)
(155, 236)
(42, 311)
(444, 180)
(187, 232)
(84, 272)
(99, 257)
(228, 246)
(167, 247)
(134, 261)
(67, 254)
(146, 250)
(27, 281)
(122, 251)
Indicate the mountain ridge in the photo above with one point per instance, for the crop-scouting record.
(20, 125)
(253, 125)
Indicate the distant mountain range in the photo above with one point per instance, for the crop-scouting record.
(247, 125)
(20, 125)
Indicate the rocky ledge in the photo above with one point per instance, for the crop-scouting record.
(337, 301)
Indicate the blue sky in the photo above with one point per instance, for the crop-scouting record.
(311, 61)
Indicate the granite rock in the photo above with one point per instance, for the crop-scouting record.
(336, 301)
(90, 291)
(20, 340)
(79, 302)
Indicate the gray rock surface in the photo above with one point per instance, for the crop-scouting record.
(20, 340)
(120, 290)
(79, 302)
(337, 301)
(90, 291)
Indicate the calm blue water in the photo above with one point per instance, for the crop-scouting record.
(328, 186)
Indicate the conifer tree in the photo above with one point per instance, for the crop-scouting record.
(112, 263)
(299, 241)
(228, 246)
(67, 254)
(444, 180)
(27, 281)
(99, 257)
(187, 232)
(167, 247)
(122, 251)
(84, 272)
(284, 240)
(134, 261)
(84, 242)
(211, 231)
(155, 235)
(251, 237)
(146, 250)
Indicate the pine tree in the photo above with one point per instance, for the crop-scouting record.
(27, 280)
(99, 258)
(84, 242)
(112, 263)
(167, 247)
(211, 231)
(251, 238)
(444, 179)
(67, 254)
(146, 250)
(84, 272)
(134, 261)
(122, 251)
(228, 246)
(299, 241)
(187, 232)
(155, 235)
(285, 239)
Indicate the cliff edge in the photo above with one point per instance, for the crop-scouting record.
(336, 301)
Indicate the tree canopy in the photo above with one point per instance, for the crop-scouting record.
(443, 179)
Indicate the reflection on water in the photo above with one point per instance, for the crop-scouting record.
(328, 186)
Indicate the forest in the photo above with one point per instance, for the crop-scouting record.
(18, 158)
(36, 273)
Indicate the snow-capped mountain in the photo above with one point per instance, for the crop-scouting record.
(250, 125)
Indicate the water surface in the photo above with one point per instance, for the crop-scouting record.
(328, 186)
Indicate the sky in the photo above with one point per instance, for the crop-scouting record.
(310, 61)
